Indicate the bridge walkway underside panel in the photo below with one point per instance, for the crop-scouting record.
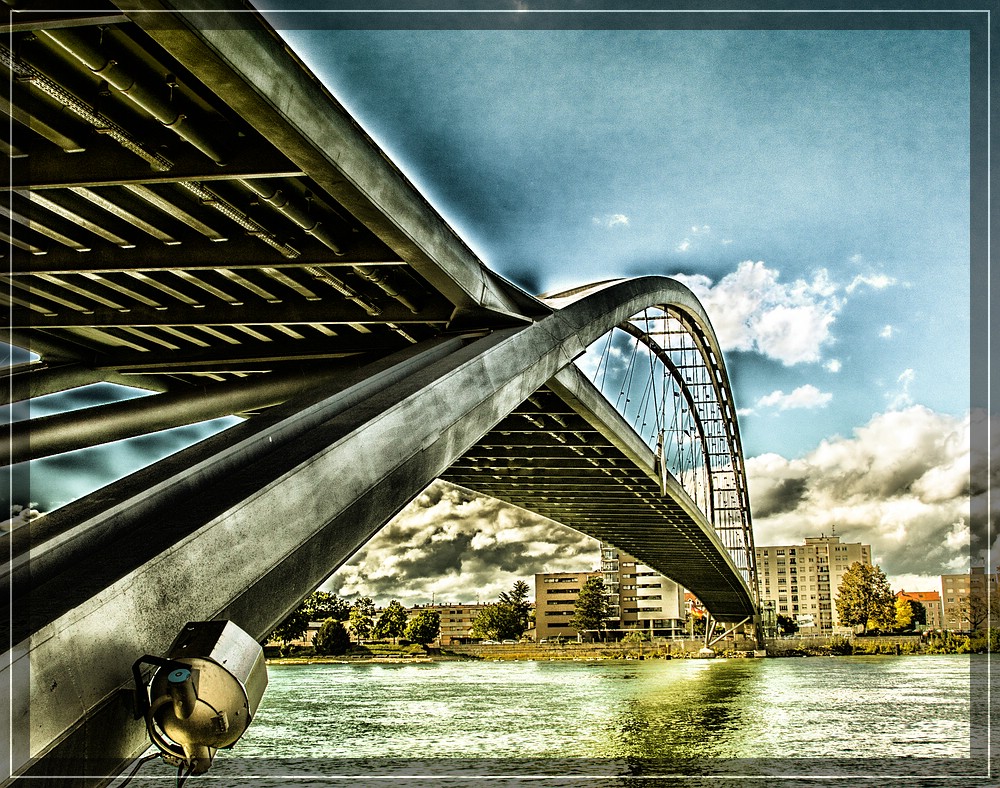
(566, 454)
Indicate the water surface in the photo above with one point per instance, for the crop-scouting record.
(704, 720)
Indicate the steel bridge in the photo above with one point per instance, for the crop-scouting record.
(192, 213)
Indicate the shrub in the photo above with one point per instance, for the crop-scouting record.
(841, 646)
(332, 638)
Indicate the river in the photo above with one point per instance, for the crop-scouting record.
(699, 722)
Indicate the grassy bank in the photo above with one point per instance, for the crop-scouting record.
(895, 645)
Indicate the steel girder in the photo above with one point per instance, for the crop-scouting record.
(245, 524)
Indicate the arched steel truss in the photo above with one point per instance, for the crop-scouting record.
(689, 355)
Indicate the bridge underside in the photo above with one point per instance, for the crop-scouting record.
(560, 455)
(225, 234)
(245, 524)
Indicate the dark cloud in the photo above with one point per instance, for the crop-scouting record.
(455, 546)
(901, 483)
(782, 496)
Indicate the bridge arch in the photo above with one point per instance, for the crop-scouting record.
(690, 358)
(247, 523)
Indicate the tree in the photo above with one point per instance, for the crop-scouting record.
(636, 638)
(318, 606)
(424, 626)
(787, 624)
(323, 605)
(362, 618)
(865, 599)
(974, 611)
(517, 600)
(904, 613)
(497, 622)
(591, 607)
(909, 613)
(332, 638)
(292, 628)
(506, 619)
(392, 622)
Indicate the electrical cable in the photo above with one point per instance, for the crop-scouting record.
(135, 769)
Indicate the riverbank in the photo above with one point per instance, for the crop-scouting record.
(894, 645)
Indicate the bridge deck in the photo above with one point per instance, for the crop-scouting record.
(566, 454)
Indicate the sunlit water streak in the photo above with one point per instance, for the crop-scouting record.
(802, 716)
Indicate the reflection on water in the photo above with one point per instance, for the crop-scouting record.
(851, 715)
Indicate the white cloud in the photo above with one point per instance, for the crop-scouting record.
(701, 229)
(610, 220)
(887, 332)
(751, 309)
(684, 245)
(915, 582)
(901, 398)
(875, 281)
(833, 365)
(900, 483)
(807, 396)
(726, 241)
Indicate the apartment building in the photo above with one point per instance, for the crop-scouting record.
(555, 603)
(456, 621)
(964, 598)
(931, 600)
(803, 580)
(639, 597)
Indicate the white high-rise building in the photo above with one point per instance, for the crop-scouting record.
(803, 580)
(640, 597)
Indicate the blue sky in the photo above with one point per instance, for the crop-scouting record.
(838, 160)
(812, 187)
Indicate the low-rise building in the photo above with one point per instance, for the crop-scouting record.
(931, 600)
(456, 621)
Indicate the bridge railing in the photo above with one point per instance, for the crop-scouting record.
(664, 372)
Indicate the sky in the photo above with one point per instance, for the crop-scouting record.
(810, 186)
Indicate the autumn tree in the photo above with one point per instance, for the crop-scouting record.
(909, 613)
(392, 621)
(865, 599)
(904, 613)
(591, 607)
(362, 618)
(424, 626)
